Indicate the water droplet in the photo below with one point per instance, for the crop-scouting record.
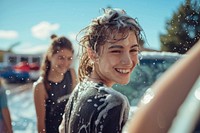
(148, 96)
(89, 100)
(197, 93)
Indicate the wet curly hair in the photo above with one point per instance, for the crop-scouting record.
(102, 29)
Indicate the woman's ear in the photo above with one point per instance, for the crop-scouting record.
(92, 54)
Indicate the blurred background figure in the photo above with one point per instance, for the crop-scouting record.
(5, 119)
(52, 89)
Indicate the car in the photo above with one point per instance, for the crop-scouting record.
(32, 68)
(152, 65)
(22, 66)
(12, 76)
(34, 71)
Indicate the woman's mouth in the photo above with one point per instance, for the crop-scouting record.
(123, 71)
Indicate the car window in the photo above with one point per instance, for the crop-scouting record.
(151, 67)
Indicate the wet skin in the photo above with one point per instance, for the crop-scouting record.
(61, 61)
(116, 61)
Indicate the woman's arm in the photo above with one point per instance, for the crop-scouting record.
(7, 119)
(4, 109)
(39, 100)
(168, 94)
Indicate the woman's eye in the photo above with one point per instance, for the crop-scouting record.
(134, 50)
(116, 51)
(70, 58)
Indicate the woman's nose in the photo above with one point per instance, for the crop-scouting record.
(67, 62)
(126, 59)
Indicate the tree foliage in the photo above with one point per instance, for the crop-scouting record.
(183, 29)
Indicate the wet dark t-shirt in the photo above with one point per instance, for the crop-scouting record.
(95, 108)
(58, 95)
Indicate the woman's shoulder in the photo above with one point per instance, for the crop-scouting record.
(101, 92)
(38, 84)
(113, 95)
(39, 88)
(71, 69)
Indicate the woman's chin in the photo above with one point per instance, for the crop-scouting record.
(63, 71)
(123, 82)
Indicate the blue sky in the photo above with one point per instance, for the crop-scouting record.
(32, 22)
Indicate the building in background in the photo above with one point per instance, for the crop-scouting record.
(13, 59)
(2, 52)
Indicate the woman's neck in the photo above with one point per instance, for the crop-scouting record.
(55, 76)
(95, 78)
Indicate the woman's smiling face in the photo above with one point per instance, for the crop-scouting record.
(117, 60)
(61, 61)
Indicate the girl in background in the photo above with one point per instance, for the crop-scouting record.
(52, 89)
(5, 120)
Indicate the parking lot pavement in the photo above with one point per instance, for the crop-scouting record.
(12, 88)
(22, 109)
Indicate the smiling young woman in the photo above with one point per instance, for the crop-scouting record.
(110, 53)
(52, 89)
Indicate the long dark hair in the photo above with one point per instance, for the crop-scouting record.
(58, 43)
(104, 29)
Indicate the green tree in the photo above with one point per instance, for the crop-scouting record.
(183, 29)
